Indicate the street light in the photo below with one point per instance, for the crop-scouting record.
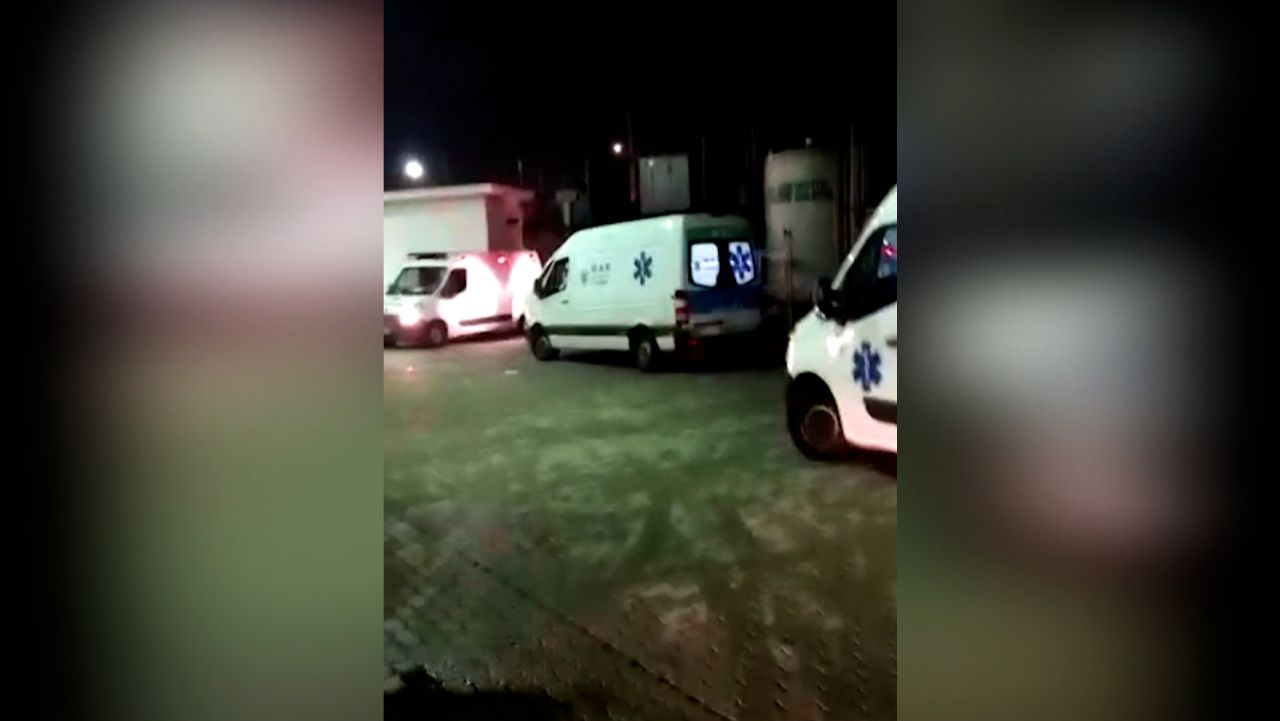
(617, 148)
(413, 169)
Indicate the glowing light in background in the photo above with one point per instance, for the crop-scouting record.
(413, 169)
(524, 271)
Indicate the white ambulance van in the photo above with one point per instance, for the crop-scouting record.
(652, 287)
(438, 296)
(843, 356)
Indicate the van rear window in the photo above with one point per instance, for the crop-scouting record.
(704, 264)
(715, 263)
(743, 261)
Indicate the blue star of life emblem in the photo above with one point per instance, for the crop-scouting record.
(866, 367)
(742, 263)
(643, 267)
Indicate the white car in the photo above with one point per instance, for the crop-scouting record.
(438, 296)
(842, 360)
(650, 286)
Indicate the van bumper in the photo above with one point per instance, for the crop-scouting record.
(393, 332)
(694, 345)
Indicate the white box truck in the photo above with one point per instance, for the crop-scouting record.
(454, 262)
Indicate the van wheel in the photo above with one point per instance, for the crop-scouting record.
(540, 344)
(648, 355)
(814, 420)
(437, 334)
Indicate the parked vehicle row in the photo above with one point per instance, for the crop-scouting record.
(654, 287)
(664, 287)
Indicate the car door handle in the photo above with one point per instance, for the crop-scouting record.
(892, 342)
(564, 302)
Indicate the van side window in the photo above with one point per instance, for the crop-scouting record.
(417, 281)
(456, 283)
(888, 265)
(742, 258)
(872, 280)
(704, 264)
(557, 277)
(545, 278)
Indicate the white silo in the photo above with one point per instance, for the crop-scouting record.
(800, 214)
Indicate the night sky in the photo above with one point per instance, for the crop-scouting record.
(472, 91)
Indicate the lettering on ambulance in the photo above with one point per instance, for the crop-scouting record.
(596, 273)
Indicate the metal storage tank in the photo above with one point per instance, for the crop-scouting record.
(800, 210)
(664, 184)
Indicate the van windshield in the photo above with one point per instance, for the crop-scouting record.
(417, 281)
(722, 263)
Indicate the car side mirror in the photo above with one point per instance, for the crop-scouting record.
(825, 300)
(537, 286)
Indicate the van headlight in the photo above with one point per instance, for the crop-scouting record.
(409, 316)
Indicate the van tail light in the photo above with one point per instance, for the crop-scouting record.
(682, 309)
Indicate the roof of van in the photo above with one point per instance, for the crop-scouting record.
(886, 211)
(670, 221)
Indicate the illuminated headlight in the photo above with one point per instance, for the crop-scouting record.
(409, 316)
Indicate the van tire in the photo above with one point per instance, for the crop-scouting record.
(435, 334)
(814, 420)
(647, 353)
(540, 345)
